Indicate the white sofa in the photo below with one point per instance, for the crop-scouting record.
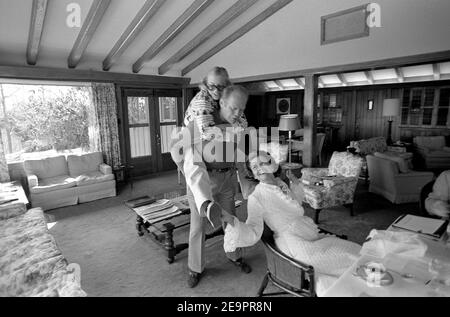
(389, 179)
(57, 182)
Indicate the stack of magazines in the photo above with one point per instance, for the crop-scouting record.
(157, 211)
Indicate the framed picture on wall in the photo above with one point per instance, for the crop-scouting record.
(283, 106)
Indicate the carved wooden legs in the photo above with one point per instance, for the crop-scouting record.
(140, 226)
(168, 243)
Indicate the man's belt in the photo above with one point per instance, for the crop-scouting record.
(220, 170)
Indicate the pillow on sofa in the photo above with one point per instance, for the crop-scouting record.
(401, 163)
(46, 168)
(82, 164)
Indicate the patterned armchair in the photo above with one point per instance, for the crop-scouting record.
(332, 186)
(374, 145)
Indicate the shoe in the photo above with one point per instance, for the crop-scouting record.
(245, 268)
(193, 279)
(214, 215)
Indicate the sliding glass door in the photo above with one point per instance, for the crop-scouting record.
(150, 116)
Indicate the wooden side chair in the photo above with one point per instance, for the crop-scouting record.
(289, 275)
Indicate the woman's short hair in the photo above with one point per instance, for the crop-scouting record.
(219, 71)
(250, 172)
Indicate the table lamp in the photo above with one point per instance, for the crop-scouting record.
(289, 123)
(391, 109)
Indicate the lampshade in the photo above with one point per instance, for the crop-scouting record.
(289, 122)
(391, 107)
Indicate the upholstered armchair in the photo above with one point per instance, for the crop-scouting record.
(433, 152)
(376, 145)
(395, 183)
(332, 186)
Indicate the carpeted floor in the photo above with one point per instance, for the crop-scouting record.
(101, 237)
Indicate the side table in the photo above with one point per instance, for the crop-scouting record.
(123, 174)
(290, 167)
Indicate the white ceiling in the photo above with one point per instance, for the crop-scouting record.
(287, 41)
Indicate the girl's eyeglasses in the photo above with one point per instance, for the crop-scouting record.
(215, 87)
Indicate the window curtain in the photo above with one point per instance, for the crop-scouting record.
(103, 127)
(4, 172)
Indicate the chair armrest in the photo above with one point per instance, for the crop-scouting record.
(310, 176)
(105, 169)
(32, 181)
(422, 149)
(339, 180)
(317, 172)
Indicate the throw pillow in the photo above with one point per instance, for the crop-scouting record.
(401, 163)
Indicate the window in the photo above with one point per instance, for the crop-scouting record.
(139, 125)
(426, 106)
(405, 106)
(415, 107)
(444, 104)
(43, 120)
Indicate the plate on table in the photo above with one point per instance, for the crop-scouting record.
(375, 274)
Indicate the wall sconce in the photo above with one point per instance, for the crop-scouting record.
(370, 104)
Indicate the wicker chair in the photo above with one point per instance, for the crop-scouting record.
(288, 274)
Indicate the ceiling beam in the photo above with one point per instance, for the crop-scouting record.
(436, 57)
(320, 82)
(176, 28)
(369, 77)
(38, 12)
(300, 82)
(71, 75)
(95, 15)
(279, 84)
(342, 79)
(436, 72)
(136, 26)
(399, 74)
(238, 34)
(232, 13)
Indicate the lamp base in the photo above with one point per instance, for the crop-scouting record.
(389, 138)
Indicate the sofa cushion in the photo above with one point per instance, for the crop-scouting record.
(431, 142)
(439, 154)
(401, 163)
(46, 185)
(93, 178)
(369, 146)
(46, 168)
(82, 164)
(31, 263)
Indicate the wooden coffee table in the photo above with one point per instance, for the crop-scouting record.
(161, 230)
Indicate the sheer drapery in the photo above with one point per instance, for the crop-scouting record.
(4, 172)
(103, 127)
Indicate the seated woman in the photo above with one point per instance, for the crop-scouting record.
(437, 203)
(274, 203)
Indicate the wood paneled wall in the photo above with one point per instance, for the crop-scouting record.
(268, 116)
(358, 122)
